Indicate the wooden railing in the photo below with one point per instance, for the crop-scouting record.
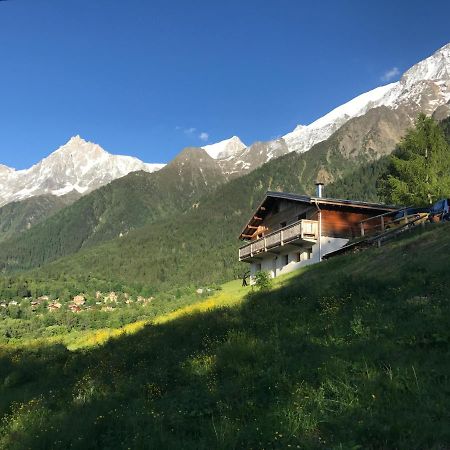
(301, 230)
(382, 226)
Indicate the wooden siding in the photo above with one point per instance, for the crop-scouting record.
(338, 220)
(343, 223)
(288, 212)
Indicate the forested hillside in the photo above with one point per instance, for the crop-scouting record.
(20, 216)
(113, 210)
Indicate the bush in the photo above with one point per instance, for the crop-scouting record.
(263, 281)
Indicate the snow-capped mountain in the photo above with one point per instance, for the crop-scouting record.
(5, 169)
(78, 166)
(422, 88)
(371, 123)
(305, 136)
(425, 87)
(225, 149)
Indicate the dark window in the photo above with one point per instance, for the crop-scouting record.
(298, 256)
(283, 224)
(258, 267)
(285, 260)
(301, 216)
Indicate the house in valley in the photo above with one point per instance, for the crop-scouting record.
(288, 231)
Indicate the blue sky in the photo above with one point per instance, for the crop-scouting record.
(147, 78)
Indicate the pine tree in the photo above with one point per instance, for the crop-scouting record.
(419, 170)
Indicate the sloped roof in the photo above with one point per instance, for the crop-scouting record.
(272, 195)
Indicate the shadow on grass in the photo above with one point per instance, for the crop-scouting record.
(352, 354)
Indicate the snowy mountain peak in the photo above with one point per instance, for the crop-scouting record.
(76, 140)
(423, 87)
(435, 68)
(77, 144)
(5, 169)
(78, 165)
(225, 149)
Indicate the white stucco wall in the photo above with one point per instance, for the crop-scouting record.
(275, 264)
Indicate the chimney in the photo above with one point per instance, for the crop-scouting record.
(319, 189)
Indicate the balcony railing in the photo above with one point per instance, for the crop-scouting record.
(306, 230)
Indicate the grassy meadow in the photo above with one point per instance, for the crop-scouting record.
(349, 354)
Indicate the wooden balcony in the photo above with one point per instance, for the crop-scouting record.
(303, 231)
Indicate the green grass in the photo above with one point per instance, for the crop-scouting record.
(352, 353)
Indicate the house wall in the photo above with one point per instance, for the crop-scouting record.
(276, 265)
(289, 212)
(343, 222)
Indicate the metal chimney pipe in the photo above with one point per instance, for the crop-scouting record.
(319, 190)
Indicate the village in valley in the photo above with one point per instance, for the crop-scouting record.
(102, 301)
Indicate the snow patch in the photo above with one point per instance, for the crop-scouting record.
(225, 149)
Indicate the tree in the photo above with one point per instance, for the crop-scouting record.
(419, 170)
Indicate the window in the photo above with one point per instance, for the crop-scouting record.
(258, 267)
(285, 260)
(301, 216)
(298, 257)
(283, 224)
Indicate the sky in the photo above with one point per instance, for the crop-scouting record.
(148, 78)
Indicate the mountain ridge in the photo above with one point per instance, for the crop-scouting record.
(424, 88)
(77, 166)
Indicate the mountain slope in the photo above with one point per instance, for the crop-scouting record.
(78, 166)
(115, 209)
(16, 217)
(351, 353)
(425, 87)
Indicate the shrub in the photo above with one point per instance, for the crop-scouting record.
(263, 281)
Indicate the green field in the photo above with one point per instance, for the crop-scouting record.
(352, 353)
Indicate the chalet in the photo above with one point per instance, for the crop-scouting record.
(288, 231)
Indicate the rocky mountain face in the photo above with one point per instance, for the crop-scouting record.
(78, 166)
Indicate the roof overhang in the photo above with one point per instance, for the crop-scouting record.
(271, 197)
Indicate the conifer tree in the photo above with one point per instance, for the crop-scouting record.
(419, 170)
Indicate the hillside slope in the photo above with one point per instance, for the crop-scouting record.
(351, 353)
(20, 216)
(115, 209)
